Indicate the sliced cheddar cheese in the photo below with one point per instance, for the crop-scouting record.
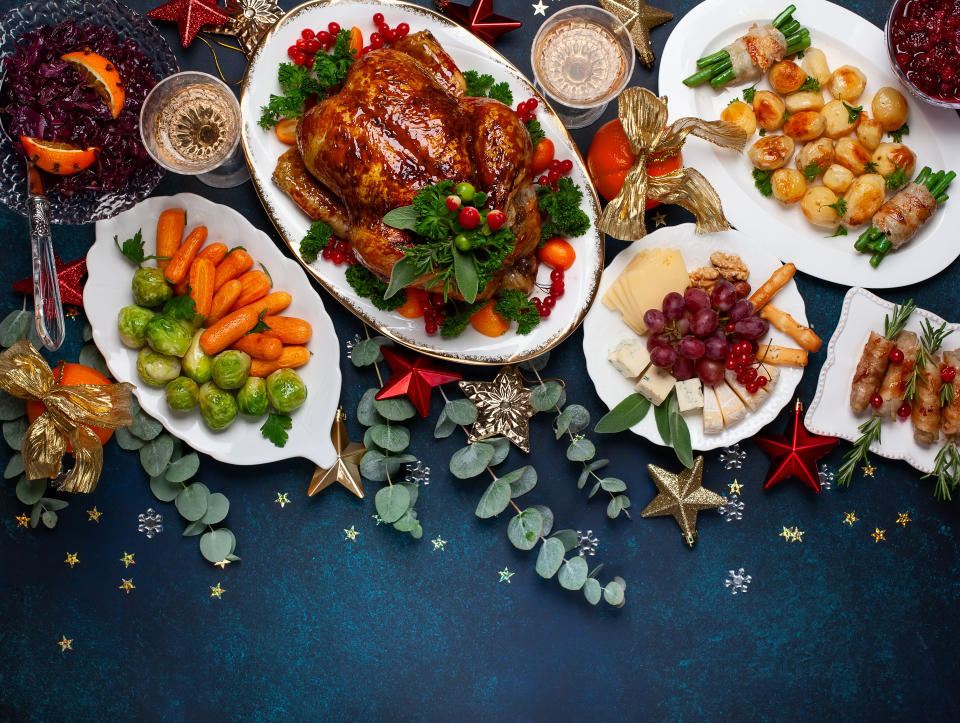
(650, 275)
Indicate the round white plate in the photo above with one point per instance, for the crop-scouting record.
(845, 38)
(470, 53)
(108, 290)
(603, 329)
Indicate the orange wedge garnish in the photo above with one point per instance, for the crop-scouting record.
(62, 159)
(101, 75)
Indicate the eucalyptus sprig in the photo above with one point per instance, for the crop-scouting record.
(946, 468)
(930, 342)
(869, 433)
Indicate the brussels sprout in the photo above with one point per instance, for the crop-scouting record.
(132, 323)
(168, 336)
(150, 288)
(157, 369)
(182, 394)
(231, 369)
(196, 362)
(252, 397)
(219, 408)
(286, 390)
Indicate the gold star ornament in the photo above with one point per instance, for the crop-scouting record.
(682, 496)
(346, 470)
(249, 21)
(640, 19)
(503, 408)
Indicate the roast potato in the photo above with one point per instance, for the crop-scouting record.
(819, 151)
(742, 115)
(816, 206)
(851, 153)
(769, 109)
(864, 198)
(805, 125)
(803, 100)
(847, 83)
(814, 63)
(870, 132)
(889, 108)
(771, 152)
(788, 185)
(838, 123)
(838, 178)
(891, 156)
(786, 77)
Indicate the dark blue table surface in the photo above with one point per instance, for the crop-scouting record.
(313, 626)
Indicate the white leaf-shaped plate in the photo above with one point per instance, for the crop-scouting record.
(108, 290)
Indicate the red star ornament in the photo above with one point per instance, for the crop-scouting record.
(413, 376)
(479, 18)
(190, 16)
(795, 453)
(69, 279)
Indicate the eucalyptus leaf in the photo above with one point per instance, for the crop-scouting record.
(125, 440)
(391, 502)
(592, 591)
(613, 593)
(14, 430)
(587, 469)
(402, 217)
(465, 272)
(521, 480)
(615, 507)
(184, 468)
(14, 466)
(580, 450)
(217, 508)
(11, 407)
(396, 409)
(373, 466)
(407, 522)
(49, 519)
(550, 557)
(216, 544)
(367, 414)
(623, 416)
(612, 484)
(369, 443)
(414, 491)
(573, 573)
(35, 514)
(620, 581)
(365, 353)
(501, 448)
(404, 273)
(471, 460)
(661, 415)
(14, 327)
(392, 438)
(573, 419)
(233, 540)
(461, 411)
(155, 455)
(417, 532)
(195, 528)
(547, 515)
(191, 503)
(680, 434)
(144, 426)
(494, 499)
(568, 538)
(593, 491)
(87, 332)
(445, 425)
(30, 491)
(595, 571)
(164, 490)
(545, 396)
(536, 364)
(54, 504)
(523, 530)
(90, 356)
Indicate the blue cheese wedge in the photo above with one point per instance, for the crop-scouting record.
(712, 418)
(630, 357)
(655, 384)
(689, 395)
(731, 406)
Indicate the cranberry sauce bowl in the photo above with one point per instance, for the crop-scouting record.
(923, 42)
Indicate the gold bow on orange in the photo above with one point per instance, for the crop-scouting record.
(644, 119)
(71, 410)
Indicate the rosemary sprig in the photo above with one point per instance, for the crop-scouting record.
(901, 313)
(930, 342)
(946, 394)
(869, 433)
(946, 467)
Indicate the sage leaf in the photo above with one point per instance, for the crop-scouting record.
(623, 416)
(184, 468)
(90, 356)
(471, 460)
(365, 353)
(402, 217)
(573, 573)
(217, 544)
(546, 515)
(11, 407)
(494, 499)
(445, 425)
(661, 414)
(49, 519)
(568, 538)
(14, 327)
(460, 411)
(501, 448)
(536, 363)
(580, 450)
(592, 591)
(164, 490)
(195, 528)
(545, 396)
(680, 434)
(125, 440)
(392, 438)
(465, 272)
(13, 432)
(217, 508)
(53, 504)
(396, 409)
(191, 503)
(612, 484)
(391, 502)
(155, 455)
(404, 273)
(550, 557)
(14, 467)
(30, 491)
(613, 593)
(523, 530)
(367, 414)
(587, 469)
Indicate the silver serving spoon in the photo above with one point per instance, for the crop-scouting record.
(48, 310)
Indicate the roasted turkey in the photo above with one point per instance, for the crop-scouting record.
(399, 123)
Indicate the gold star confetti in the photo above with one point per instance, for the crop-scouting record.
(94, 515)
(377, 518)
(878, 535)
(439, 544)
(735, 487)
(127, 559)
(503, 408)
(903, 519)
(282, 499)
(868, 470)
(640, 19)
(659, 219)
(71, 559)
(849, 518)
(798, 535)
(787, 534)
(345, 469)
(350, 534)
(65, 643)
(505, 575)
(222, 564)
(682, 496)
(127, 585)
(217, 591)
(22, 520)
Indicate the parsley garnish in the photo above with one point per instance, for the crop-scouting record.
(870, 167)
(852, 113)
(564, 217)
(896, 179)
(840, 206)
(133, 249)
(181, 307)
(316, 240)
(275, 428)
(812, 171)
(368, 286)
(515, 305)
(898, 134)
(535, 130)
(786, 115)
(483, 86)
(811, 84)
(761, 179)
(261, 325)
(763, 132)
(841, 231)
(748, 93)
(456, 321)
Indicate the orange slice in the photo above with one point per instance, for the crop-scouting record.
(101, 75)
(62, 159)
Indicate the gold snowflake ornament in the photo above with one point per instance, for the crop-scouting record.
(249, 21)
(503, 408)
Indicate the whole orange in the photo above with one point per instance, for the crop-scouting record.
(610, 159)
(69, 375)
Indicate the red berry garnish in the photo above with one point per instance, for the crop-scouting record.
(469, 217)
(543, 181)
(431, 327)
(762, 380)
(299, 58)
(876, 401)
(750, 373)
(453, 202)
(543, 310)
(566, 166)
(555, 165)
(556, 274)
(292, 51)
(896, 356)
(376, 40)
(730, 363)
(948, 374)
(301, 42)
(437, 301)
(553, 176)
(550, 301)
(307, 33)
(333, 28)
(312, 45)
(730, 328)
(557, 289)
(752, 387)
(337, 258)
(326, 253)
(904, 410)
(401, 30)
(378, 18)
(532, 103)
(496, 219)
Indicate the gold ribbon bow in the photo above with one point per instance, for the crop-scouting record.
(71, 410)
(644, 119)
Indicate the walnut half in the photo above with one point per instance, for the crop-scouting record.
(704, 277)
(729, 266)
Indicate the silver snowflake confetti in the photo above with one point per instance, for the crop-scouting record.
(350, 343)
(151, 523)
(587, 543)
(827, 476)
(732, 457)
(738, 581)
(418, 473)
(732, 508)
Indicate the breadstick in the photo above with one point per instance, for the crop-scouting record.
(803, 335)
(782, 355)
(771, 286)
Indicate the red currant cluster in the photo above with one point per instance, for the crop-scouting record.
(547, 303)
(310, 43)
(384, 34)
(339, 252)
(526, 109)
(557, 169)
(434, 312)
(742, 360)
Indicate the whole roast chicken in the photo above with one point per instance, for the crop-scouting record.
(399, 123)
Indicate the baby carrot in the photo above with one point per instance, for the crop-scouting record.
(259, 346)
(288, 329)
(234, 263)
(169, 232)
(271, 303)
(256, 284)
(180, 262)
(226, 331)
(201, 285)
(290, 358)
(223, 300)
(213, 252)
